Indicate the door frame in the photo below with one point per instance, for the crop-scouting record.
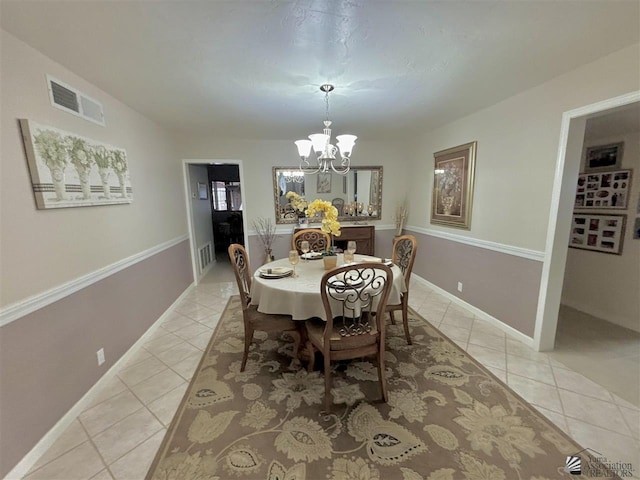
(185, 173)
(561, 210)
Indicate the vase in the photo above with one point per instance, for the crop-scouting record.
(123, 186)
(330, 262)
(303, 221)
(104, 176)
(83, 174)
(57, 176)
(268, 256)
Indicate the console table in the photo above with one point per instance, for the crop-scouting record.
(363, 235)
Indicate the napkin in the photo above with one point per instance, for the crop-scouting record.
(275, 270)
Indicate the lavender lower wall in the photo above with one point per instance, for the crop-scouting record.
(502, 285)
(48, 358)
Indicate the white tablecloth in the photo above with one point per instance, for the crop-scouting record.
(300, 297)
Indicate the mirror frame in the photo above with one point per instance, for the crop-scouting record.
(342, 218)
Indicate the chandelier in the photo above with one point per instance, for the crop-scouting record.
(293, 176)
(324, 150)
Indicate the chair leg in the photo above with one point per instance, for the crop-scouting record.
(312, 356)
(327, 381)
(248, 338)
(381, 375)
(296, 343)
(405, 318)
(391, 316)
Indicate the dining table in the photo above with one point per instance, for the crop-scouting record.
(299, 296)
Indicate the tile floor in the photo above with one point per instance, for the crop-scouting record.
(118, 435)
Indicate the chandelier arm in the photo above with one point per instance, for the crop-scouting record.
(344, 163)
(307, 168)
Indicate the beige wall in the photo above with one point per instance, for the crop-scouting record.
(606, 285)
(42, 249)
(48, 357)
(200, 209)
(258, 158)
(518, 143)
(517, 151)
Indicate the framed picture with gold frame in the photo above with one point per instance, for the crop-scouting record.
(452, 200)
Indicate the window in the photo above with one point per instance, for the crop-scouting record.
(226, 196)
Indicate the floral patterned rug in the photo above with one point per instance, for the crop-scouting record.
(447, 417)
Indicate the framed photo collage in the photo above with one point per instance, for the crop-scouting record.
(600, 190)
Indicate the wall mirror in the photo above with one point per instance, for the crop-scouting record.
(357, 195)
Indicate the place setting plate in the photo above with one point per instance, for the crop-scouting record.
(311, 256)
(275, 272)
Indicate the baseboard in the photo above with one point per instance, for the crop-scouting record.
(512, 332)
(607, 316)
(29, 460)
(206, 269)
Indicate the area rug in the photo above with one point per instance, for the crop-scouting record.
(447, 417)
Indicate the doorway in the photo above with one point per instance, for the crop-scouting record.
(560, 219)
(215, 203)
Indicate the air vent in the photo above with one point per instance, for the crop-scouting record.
(64, 97)
(204, 253)
(71, 100)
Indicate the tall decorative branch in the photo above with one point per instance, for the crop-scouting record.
(266, 231)
(402, 212)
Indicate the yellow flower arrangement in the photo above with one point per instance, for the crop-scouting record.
(297, 202)
(330, 222)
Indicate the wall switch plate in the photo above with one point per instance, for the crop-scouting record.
(459, 286)
(100, 354)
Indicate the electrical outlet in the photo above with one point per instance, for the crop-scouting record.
(100, 354)
(459, 286)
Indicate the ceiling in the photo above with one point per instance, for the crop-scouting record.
(252, 69)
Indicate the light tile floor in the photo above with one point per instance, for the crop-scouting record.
(119, 434)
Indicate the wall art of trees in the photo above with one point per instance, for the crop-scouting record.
(68, 170)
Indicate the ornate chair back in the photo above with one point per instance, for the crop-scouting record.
(339, 204)
(240, 262)
(404, 254)
(354, 299)
(288, 211)
(254, 320)
(319, 241)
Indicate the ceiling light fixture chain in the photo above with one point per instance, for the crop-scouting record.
(324, 150)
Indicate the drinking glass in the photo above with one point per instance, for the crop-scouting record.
(304, 246)
(351, 247)
(294, 258)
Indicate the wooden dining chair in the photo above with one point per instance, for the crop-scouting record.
(253, 319)
(355, 327)
(319, 241)
(404, 254)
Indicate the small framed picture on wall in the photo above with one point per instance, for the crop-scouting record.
(203, 193)
(603, 157)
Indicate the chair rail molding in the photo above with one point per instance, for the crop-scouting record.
(536, 255)
(30, 304)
